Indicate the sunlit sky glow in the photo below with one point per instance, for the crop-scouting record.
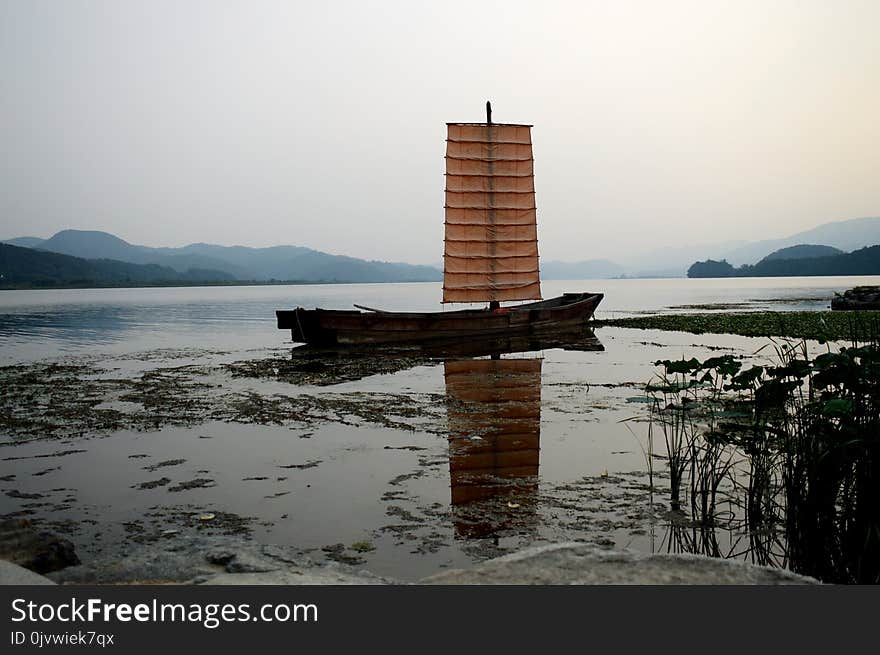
(323, 124)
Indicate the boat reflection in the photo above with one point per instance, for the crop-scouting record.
(323, 365)
(583, 339)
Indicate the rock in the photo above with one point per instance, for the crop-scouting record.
(216, 560)
(579, 563)
(142, 567)
(40, 551)
(220, 557)
(865, 298)
(311, 576)
(199, 559)
(13, 574)
(287, 555)
(249, 562)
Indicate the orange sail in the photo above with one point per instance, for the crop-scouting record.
(491, 251)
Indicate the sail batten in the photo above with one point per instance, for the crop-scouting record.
(491, 244)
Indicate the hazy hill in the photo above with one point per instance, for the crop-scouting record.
(845, 235)
(585, 270)
(92, 244)
(25, 242)
(802, 251)
(238, 262)
(299, 263)
(27, 267)
(673, 261)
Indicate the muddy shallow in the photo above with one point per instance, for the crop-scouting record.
(387, 470)
(137, 417)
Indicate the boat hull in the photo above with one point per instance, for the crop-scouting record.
(331, 327)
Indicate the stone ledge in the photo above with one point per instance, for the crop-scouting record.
(13, 574)
(231, 562)
(578, 563)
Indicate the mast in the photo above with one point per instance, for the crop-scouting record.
(491, 245)
(493, 304)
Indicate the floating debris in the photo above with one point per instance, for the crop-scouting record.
(198, 483)
(152, 484)
(167, 462)
(308, 465)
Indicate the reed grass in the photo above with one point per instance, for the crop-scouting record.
(785, 457)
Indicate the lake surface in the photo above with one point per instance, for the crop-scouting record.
(47, 323)
(434, 465)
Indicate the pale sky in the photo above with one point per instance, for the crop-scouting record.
(322, 124)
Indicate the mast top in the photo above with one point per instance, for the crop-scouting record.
(489, 120)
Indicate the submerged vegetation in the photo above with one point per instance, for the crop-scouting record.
(785, 457)
(820, 326)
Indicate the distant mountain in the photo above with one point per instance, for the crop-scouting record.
(304, 264)
(299, 263)
(802, 251)
(92, 244)
(585, 270)
(238, 262)
(845, 235)
(25, 242)
(865, 261)
(673, 261)
(27, 268)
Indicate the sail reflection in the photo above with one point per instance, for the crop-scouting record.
(493, 398)
(494, 416)
(324, 365)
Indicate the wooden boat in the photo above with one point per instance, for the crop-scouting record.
(329, 326)
(490, 255)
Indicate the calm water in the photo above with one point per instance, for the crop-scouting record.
(45, 324)
(570, 466)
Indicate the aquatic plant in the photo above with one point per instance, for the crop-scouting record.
(790, 450)
(682, 407)
(820, 326)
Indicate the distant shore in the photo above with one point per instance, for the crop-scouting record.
(177, 283)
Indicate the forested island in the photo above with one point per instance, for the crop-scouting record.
(865, 261)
